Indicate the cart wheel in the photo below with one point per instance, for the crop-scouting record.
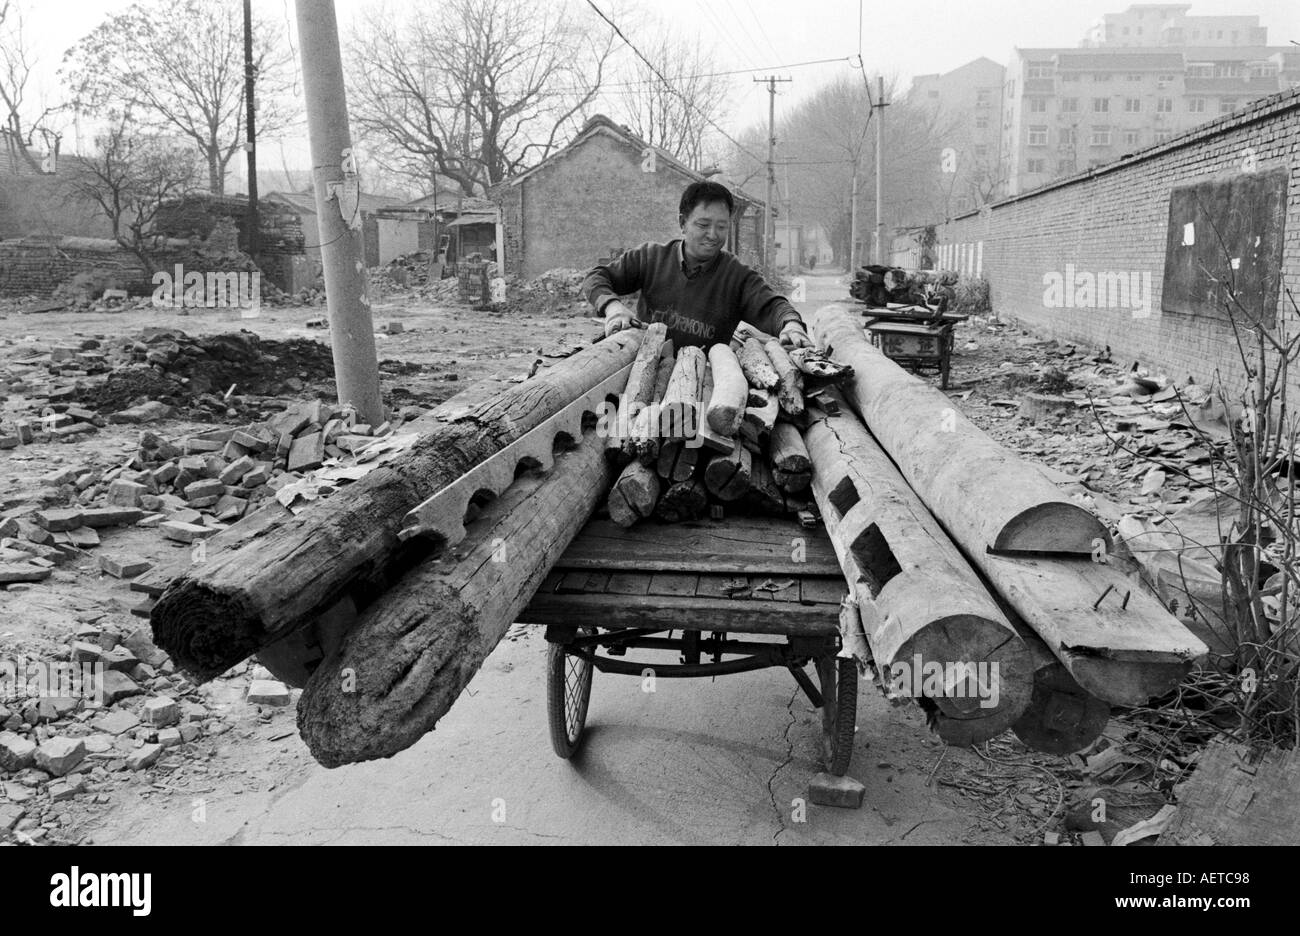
(839, 679)
(568, 690)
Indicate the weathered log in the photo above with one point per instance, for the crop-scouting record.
(760, 416)
(789, 388)
(680, 406)
(685, 500)
(756, 365)
(1118, 643)
(706, 435)
(933, 629)
(634, 494)
(242, 598)
(410, 655)
(727, 476)
(981, 492)
(787, 450)
(1062, 717)
(642, 379)
(763, 493)
(647, 427)
(792, 482)
(677, 461)
(730, 391)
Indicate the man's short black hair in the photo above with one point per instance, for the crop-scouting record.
(705, 193)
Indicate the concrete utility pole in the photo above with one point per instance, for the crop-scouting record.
(769, 228)
(338, 210)
(254, 232)
(880, 168)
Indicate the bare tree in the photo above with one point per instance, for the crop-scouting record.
(16, 65)
(828, 133)
(129, 178)
(179, 68)
(473, 90)
(674, 117)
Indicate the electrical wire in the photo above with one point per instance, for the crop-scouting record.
(673, 88)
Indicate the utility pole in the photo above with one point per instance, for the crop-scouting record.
(769, 229)
(338, 211)
(880, 168)
(254, 238)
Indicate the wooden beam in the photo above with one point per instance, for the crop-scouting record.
(986, 496)
(925, 614)
(240, 599)
(409, 656)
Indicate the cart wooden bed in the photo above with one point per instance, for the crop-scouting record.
(695, 588)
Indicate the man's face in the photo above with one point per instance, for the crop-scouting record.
(705, 230)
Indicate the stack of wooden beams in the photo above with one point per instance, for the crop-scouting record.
(699, 433)
(1097, 638)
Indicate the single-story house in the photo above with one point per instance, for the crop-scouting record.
(604, 192)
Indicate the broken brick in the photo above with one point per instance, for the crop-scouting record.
(59, 519)
(59, 755)
(185, 532)
(125, 567)
(125, 494)
(307, 452)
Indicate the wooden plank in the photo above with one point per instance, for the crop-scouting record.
(712, 585)
(584, 581)
(680, 585)
(740, 545)
(733, 616)
(628, 583)
(551, 584)
(822, 590)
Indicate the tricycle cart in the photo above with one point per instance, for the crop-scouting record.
(722, 594)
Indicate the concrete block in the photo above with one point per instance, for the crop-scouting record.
(161, 712)
(268, 692)
(59, 755)
(825, 789)
(16, 752)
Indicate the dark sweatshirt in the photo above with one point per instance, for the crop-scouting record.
(701, 308)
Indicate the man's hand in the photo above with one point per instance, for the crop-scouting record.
(617, 317)
(794, 336)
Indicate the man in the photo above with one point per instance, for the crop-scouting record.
(694, 286)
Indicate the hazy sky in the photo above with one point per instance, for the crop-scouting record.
(905, 38)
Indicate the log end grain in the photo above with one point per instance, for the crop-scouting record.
(1062, 718)
(1058, 527)
(989, 670)
(203, 631)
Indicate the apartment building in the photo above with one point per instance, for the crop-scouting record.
(1066, 110)
(1168, 24)
(966, 105)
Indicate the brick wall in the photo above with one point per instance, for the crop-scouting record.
(1114, 218)
(38, 265)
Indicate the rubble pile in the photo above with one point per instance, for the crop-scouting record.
(553, 292)
(64, 391)
(189, 491)
(103, 711)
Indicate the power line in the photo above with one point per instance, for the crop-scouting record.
(762, 32)
(685, 99)
(736, 71)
